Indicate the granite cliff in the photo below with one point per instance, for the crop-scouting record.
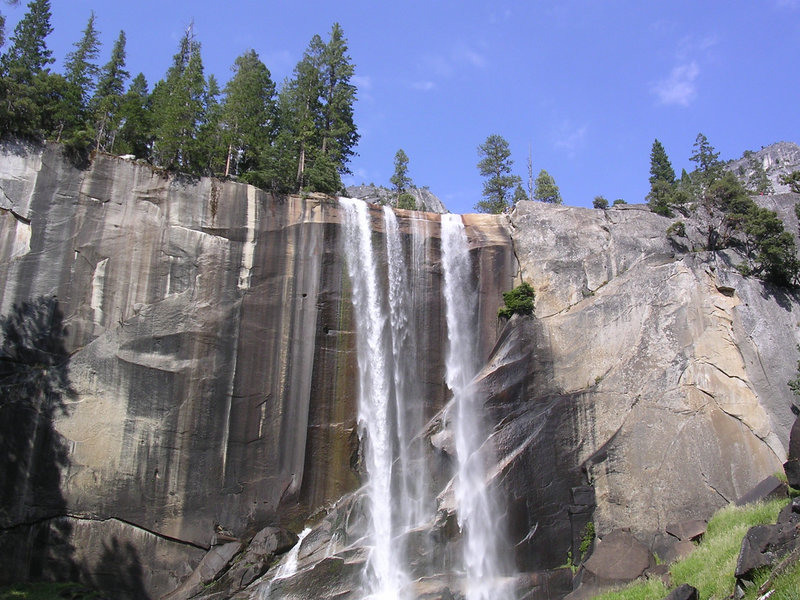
(194, 379)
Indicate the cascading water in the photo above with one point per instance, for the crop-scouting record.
(387, 315)
(409, 411)
(477, 516)
(385, 577)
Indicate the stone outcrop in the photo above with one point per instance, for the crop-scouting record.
(202, 380)
(776, 160)
(424, 198)
(673, 365)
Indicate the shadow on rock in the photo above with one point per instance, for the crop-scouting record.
(34, 390)
(119, 574)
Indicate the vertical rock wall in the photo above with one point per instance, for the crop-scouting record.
(209, 345)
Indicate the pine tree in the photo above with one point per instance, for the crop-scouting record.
(400, 180)
(105, 104)
(495, 164)
(660, 167)
(26, 88)
(662, 181)
(519, 194)
(546, 189)
(301, 107)
(339, 134)
(248, 113)
(177, 109)
(708, 164)
(133, 135)
(28, 54)
(79, 68)
(212, 150)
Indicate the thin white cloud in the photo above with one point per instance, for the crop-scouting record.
(423, 86)
(448, 64)
(679, 88)
(362, 82)
(570, 138)
(464, 54)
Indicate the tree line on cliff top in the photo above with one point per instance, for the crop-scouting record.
(722, 202)
(299, 136)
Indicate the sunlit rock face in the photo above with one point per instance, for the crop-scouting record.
(194, 349)
(673, 366)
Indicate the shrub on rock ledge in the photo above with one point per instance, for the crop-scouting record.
(518, 301)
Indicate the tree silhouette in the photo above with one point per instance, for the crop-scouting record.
(34, 389)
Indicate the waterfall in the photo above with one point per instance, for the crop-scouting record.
(385, 576)
(409, 409)
(477, 515)
(388, 288)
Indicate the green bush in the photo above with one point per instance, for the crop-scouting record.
(518, 301)
(406, 201)
(678, 228)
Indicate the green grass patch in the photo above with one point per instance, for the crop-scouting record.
(48, 591)
(649, 589)
(711, 566)
(786, 585)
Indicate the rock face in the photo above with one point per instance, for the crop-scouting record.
(193, 351)
(206, 348)
(776, 159)
(673, 366)
(425, 199)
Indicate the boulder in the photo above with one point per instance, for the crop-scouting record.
(213, 563)
(683, 592)
(688, 531)
(792, 465)
(767, 489)
(257, 558)
(618, 558)
(763, 546)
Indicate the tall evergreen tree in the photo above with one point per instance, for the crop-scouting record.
(26, 88)
(133, 135)
(303, 106)
(211, 147)
(495, 165)
(339, 134)
(248, 113)
(400, 180)
(660, 166)
(28, 54)
(177, 109)
(80, 69)
(709, 167)
(546, 189)
(662, 181)
(107, 99)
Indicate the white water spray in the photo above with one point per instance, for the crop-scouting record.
(385, 576)
(289, 567)
(477, 517)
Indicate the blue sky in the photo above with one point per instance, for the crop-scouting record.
(586, 85)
